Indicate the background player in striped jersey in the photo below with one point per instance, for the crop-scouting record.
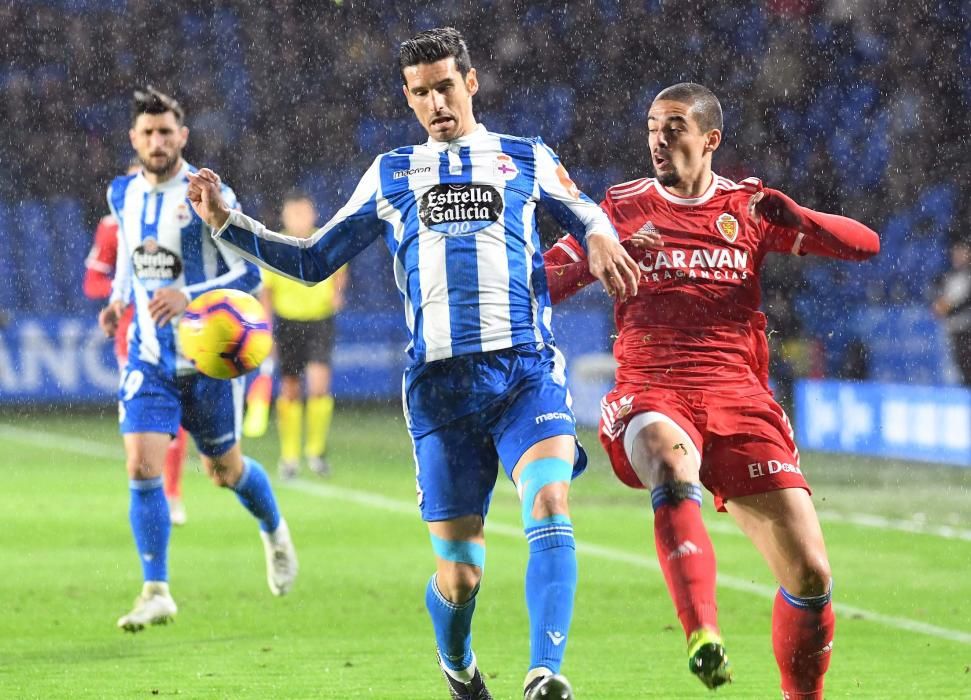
(165, 258)
(692, 404)
(486, 382)
(98, 273)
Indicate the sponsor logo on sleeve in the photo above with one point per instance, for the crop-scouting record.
(567, 183)
(398, 174)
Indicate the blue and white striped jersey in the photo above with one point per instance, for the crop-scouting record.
(459, 220)
(162, 242)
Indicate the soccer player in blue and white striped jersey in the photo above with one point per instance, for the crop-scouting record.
(486, 383)
(166, 258)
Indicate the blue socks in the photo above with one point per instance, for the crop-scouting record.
(255, 493)
(551, 581)
(148, 513)
(453, 627)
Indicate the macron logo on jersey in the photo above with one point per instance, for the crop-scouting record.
(398, 174)
(555, 415)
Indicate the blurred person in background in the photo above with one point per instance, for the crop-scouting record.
(98, 274)
(166, 258)
(303, 335)
(953, 305)
(486, 383)
(692, 404)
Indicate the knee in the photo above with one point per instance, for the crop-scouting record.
(222, 475)
(140, 468)
(809, 577)
(552, 499)
(458, 583)
(290, 389)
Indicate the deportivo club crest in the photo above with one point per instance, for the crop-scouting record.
(505, 167)
(727, 226)
(183, 215)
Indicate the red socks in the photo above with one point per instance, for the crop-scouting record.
(686, 555)
(174, 459)
(802, 638)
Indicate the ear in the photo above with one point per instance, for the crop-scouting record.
(404, 89)
(131, 137)
(184, 133)
(472, 82)
(713, 140)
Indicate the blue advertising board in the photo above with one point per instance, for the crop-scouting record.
(925, 423)
(66, 360)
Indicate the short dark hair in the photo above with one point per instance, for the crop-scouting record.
(296, 194)
(706, 107)
(152, 101)
(434, 45)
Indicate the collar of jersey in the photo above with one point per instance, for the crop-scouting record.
(692, 201)
(174, 181)
(477, 134)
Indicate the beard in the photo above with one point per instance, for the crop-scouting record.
(167, 165)
(670, 178)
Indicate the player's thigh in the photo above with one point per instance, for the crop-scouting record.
(212, 412)
(149, 411)
(660, 450)
(456, 467)
(649, 436)
(145, 454)
(226, 468)
(535, 421)
(785, 529)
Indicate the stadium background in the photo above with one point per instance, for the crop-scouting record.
(851, 106)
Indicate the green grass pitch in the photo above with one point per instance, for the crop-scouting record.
(899, 538)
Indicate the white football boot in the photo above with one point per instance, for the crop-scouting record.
(153, 607)
(177, 512)
(281, 559)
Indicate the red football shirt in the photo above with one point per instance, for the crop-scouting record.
(696, 314)
(98, 274)
(100, 263)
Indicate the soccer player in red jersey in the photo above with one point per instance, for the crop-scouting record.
(98, 274)
(691, 405)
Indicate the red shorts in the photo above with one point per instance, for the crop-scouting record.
(742, 436)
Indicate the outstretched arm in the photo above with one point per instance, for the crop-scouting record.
(829, 235)
(308, 260)
(567, 270)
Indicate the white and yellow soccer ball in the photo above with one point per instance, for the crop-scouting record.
(225, 333)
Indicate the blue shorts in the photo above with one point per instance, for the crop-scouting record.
(468, 413)
(151, 400)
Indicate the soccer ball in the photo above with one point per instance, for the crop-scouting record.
(225, 333)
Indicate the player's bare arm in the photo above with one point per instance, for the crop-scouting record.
(109, 316)
(611, 264)
(206, 198)
(826, 234)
